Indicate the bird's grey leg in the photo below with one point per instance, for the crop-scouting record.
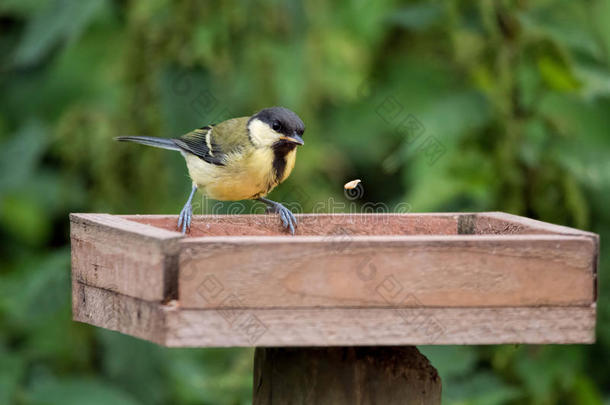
(186, 215)
(287, 217)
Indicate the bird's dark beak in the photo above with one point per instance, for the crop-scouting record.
(294, 138)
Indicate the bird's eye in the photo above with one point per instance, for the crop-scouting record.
(276, 126)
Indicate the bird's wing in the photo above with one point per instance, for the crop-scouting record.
(213, 142)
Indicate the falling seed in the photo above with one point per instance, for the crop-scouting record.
(352, 184)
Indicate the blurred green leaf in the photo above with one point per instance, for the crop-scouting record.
(585, 392)
(37, 289)
(451, 361)
(77, 391)
(59, 21)
(20, 154)
(480, 389)
(557, 75)
(135, 366)
(11, 372)
(25, 219)
(417, 16)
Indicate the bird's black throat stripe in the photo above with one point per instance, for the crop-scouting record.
(280, 150)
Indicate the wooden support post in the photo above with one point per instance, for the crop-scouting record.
(344, 375)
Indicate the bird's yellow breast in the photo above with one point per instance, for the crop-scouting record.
(244, 176)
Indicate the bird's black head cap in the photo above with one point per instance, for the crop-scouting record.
(282, 120)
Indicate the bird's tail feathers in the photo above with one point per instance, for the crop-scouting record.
(163, 143)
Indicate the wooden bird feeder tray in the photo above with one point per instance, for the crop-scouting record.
(310, 302)
(342, 280)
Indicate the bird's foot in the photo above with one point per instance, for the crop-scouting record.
(185, 218)
(186, 215)
(288, 219)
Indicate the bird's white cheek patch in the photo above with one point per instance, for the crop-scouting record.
(262, 134)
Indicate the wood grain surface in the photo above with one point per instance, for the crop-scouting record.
(501, 223)
(173, 326)
(344, 376)
(373, 271)
(124, 256)
(310, 224)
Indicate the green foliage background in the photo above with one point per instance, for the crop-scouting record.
(516, 92)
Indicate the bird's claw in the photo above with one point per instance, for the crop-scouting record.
(185, 218)
(287, 217)
(186, 215)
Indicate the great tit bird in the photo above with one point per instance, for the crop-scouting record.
(239, 159)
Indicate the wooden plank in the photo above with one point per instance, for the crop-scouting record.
(124, 256)
(311, 224)
(377, 271)
(110, 310)
(501, 223)
(173, 326)
(381, 326)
